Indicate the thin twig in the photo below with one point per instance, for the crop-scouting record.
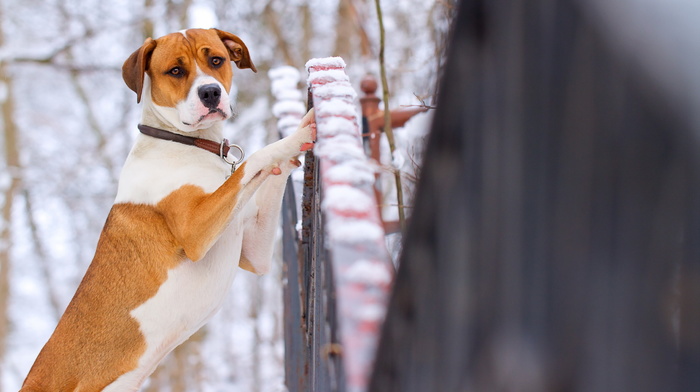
(387, 116)
(428, 107)
(422, 103)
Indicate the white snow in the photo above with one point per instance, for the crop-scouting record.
(326, 62)
(342, 148)
(282, 84)
(354, 231)
(398, 160)
(347, 198)
(327, 76)
(288, 122)
(371, 312)
(353, 172)
(298, 175)
(335, 108)
(334, 126)
(336, 89)
(289, 94)
(369, 272)
(283, 79)
(283, 72)
(288, 106)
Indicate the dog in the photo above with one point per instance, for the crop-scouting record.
(180, 224)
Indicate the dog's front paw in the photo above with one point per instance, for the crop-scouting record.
(306, 133)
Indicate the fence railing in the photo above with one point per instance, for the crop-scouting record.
(312, 358)
(337, 268)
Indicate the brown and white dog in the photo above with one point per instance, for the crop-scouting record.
(179, 227)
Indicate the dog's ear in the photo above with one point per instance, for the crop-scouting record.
(136, 65)
(237, 50)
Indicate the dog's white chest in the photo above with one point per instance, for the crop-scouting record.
(155, 168)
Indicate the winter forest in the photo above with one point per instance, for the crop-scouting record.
(68, 121)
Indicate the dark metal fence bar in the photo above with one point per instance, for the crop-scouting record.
(309, 318)
(554, 244)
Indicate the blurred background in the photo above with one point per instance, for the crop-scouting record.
(68, 121)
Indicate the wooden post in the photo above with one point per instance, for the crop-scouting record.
(370, 110)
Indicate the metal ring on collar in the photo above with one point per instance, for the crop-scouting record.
(225, 158)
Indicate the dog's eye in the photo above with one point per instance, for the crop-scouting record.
(216, 62)
(176, 72)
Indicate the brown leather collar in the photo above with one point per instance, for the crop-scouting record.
(220, 149)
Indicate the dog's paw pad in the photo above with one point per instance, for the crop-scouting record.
(276, 171)
(306, 146)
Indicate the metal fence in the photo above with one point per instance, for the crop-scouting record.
(337, 268)
(311, 364)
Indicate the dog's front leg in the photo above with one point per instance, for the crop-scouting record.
(260, 229)
(263, 211)
(196, 219)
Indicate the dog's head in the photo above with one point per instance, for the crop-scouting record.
(187, 76)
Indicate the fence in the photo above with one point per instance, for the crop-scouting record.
(337, 268)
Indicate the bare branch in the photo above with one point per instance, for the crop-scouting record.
(53, 58)
(387, 115)
(423, 105)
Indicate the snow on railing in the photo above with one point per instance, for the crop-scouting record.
(289, 106)
(354, 237)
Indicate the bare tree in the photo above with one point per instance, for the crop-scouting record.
(272, 19)
(351, 39)
(13, 169)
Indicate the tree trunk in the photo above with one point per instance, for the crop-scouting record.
(13, 168)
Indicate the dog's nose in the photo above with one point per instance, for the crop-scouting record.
(210, 94)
